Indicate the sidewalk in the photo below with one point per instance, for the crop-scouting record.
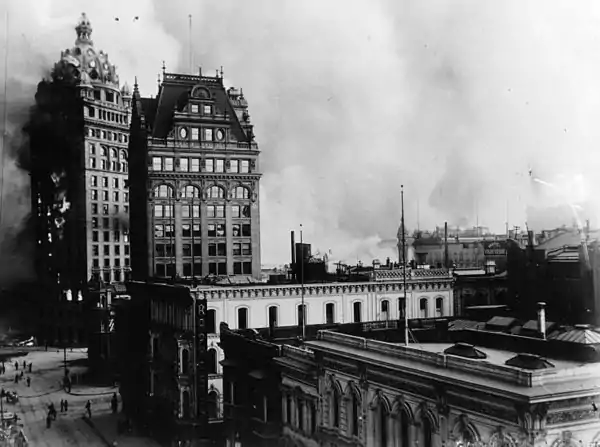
(104, 423)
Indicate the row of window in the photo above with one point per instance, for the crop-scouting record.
(300, 412)
(193, 192)
(214, 249)
(106, 135)
(117, 275)
(106, 220)
(106, 207)
(212, 211)
(213, 230)
(115, 154)
(105, 165)
(202, 134)
(115, 182)
(106, 263)
(101, 94)
(106, 250)
(106, 236)
(105, 115)
(330, 313)
(200, 165)
(195, 269)
(104, 196)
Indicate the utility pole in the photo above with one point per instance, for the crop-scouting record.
(404, 270)
(302, 285)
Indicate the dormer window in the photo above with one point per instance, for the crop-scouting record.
(110, 97)
(207, 110)
(194, 108)
(97, 94)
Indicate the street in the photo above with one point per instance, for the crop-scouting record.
(70, 428)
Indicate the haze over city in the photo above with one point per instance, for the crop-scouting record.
(457, 101)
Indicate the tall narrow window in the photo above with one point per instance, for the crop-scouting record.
(423, 307)
(273, 316)
(355, 413)
(383, 425)
(212, 361)
(242, 318)
(330, 313)
(211, 320)
(335, 408)
(301, 414)
(288, 409)
(426, 426)
(401, 307)
(357, 312)
(385, 310)
(439, 307)
(404, 427)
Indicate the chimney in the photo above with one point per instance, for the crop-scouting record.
(542, 319)
(293, 241)
(446, 245)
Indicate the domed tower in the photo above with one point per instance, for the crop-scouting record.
(89, 155)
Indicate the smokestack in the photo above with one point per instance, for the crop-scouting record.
(530, 238)
(445, 244)
(293, 241)
(542, 319)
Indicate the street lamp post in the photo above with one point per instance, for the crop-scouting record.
(302, 285)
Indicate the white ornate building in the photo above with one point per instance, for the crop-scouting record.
(429, 294)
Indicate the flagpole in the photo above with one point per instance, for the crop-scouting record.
(4, 130)
(190, 44)
(404, 270)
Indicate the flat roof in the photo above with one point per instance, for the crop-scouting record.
(566, 378)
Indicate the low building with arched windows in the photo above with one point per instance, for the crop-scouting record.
(349, 387)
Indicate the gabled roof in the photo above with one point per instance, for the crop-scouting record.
(569, 238)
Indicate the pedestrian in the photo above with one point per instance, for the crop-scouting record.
(28, 381)
(30, 366)
(17, 366)
(66, 406)
(22, 374)
(88, 407)
(52, 411)
(16, 378)
(48, 421)
(62, 406)
(24, 364)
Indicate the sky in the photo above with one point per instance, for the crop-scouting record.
(464, 103)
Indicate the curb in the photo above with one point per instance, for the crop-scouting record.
(97, 432)
(104, 393)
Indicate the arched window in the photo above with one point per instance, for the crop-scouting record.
(185, 361)
(439, 307)
(385, 310)
(423, 307)
(354, 413)
(288, 409)
(357, 312)
(189, 192)
(212, 361)
(123, 155)
(427, 431)
(241, 193)
(335, 407)
(213, 405)
(401, 307)
(243, 318)
(163, 191)
(273, 316)
(185, 404)
(216, 192)
(211, 321)
(330, 313)
(113, 153)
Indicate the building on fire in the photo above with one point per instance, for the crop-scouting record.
(79, 132)
(460, 384)
(194, 181)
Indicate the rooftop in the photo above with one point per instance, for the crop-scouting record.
(429, 359)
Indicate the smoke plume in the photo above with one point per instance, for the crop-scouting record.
(454, 100)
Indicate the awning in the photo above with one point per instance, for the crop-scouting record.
(257, 374)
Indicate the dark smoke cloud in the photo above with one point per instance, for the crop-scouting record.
(455, 100)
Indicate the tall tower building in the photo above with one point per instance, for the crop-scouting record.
(79, 134)
(194, 181)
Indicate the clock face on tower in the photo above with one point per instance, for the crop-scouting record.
(183, 133)
(92, 64)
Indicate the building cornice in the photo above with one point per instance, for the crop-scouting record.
(295, 290)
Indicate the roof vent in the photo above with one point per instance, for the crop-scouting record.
(465, 350)
(529, 361)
